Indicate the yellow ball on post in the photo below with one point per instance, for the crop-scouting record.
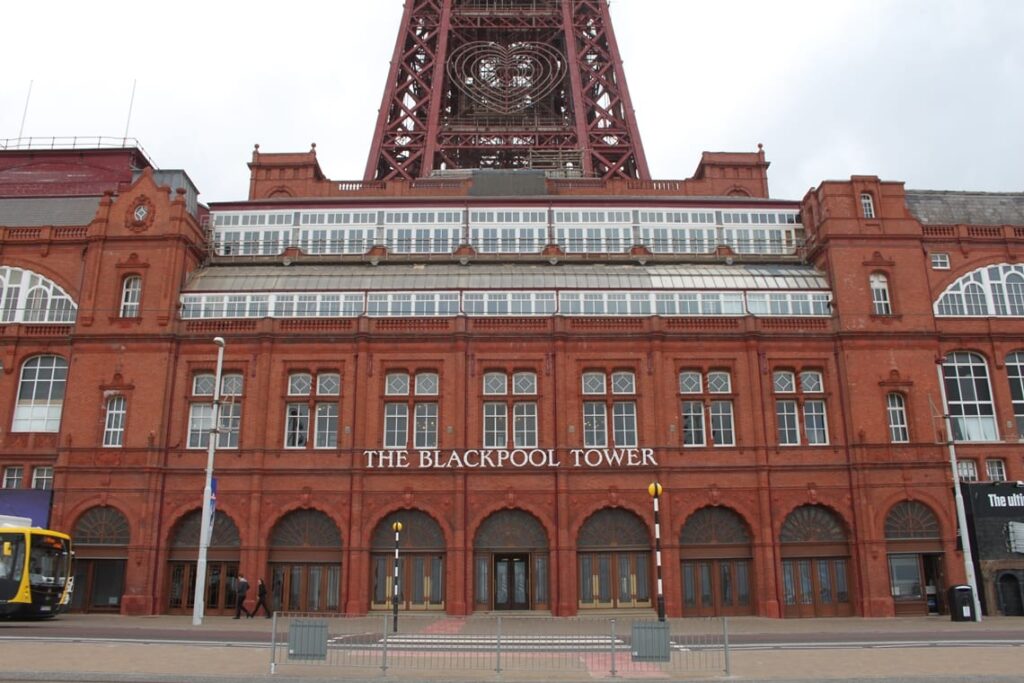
(397, 526)
(655, 489)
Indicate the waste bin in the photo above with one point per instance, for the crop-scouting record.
(961, 603)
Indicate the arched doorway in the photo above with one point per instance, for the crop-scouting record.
(914, 549)
(511, 562)
(101, 539)
(716, 552)
(1010, 602)
(221, 565)
(421, 563)
(614, 561)
(815, 564)
(305, 562)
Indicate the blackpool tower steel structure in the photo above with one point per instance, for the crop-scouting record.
(506, 84)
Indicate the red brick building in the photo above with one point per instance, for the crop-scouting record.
(501, 349)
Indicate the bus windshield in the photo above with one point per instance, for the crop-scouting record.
(48, 560)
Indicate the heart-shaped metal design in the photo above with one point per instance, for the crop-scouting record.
(506, 79)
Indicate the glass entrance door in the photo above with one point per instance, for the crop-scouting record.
(306, 587)
(512, 582)
(420, 585)
(613, 579)
(816, 587)
(98, 585)
(716, 588)
(220, 587)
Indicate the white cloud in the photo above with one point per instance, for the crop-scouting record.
(925, 91)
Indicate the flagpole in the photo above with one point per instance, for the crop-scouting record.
(199, 602)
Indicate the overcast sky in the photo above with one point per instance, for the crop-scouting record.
(930, 92)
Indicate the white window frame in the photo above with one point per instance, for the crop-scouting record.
(326, 425)
(296, 426)
(46, 374)
(972, 419)
(524, 424)
(881, 304)
(114, 421)
(495, 424)
(131, 296)
(939, 260)
(396, 425)
(896, 412)
(13, 476)
(42, 477)
(967, 469)
(867, 205)
(995, 468)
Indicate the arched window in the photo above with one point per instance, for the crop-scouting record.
(40, 395)
(896, 408)
(1015, 373)
(113, 425)
(969, 397)
(867, 205)
(29, 297)
(996, 290)
(131, 295)
(880, 302)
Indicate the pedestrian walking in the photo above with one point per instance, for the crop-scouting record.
(261, 593)
(240, 591)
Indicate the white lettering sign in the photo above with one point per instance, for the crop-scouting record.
(1014, 500)
(520, 458)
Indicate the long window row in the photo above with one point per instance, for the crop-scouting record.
(505, 231)
(447, 304)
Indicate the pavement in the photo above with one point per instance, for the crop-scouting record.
(169, 649)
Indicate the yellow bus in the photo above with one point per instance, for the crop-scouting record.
(35, 570)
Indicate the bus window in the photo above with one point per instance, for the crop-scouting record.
(47, 560)
(12, 564)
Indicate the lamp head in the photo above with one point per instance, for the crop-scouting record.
(655, 490)
(219, 341)
(397, 527)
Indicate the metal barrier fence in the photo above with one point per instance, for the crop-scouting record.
(592, 646)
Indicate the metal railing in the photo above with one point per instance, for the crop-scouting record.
(490, 645)
(71, 142)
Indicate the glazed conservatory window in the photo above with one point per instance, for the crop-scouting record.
(880, 295)
(996, 290)
(29, 297)
(131, 295)
(113, 426)
(867, 205)
(508, 303)
(897, 411)
(789, 303)
(969, 397)
(40, 395)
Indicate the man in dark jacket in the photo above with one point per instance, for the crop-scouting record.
(240, 591)
(261, 593)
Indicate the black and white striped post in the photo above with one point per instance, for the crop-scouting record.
(397, 526)
(655, 490)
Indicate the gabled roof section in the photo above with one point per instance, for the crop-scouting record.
(309, 278)
(966, 208)
(45, 211)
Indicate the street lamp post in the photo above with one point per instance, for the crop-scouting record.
(397, 526)
(199, 605)
(958, 499)
(655, 490)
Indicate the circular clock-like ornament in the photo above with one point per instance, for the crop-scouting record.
(140, 214)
